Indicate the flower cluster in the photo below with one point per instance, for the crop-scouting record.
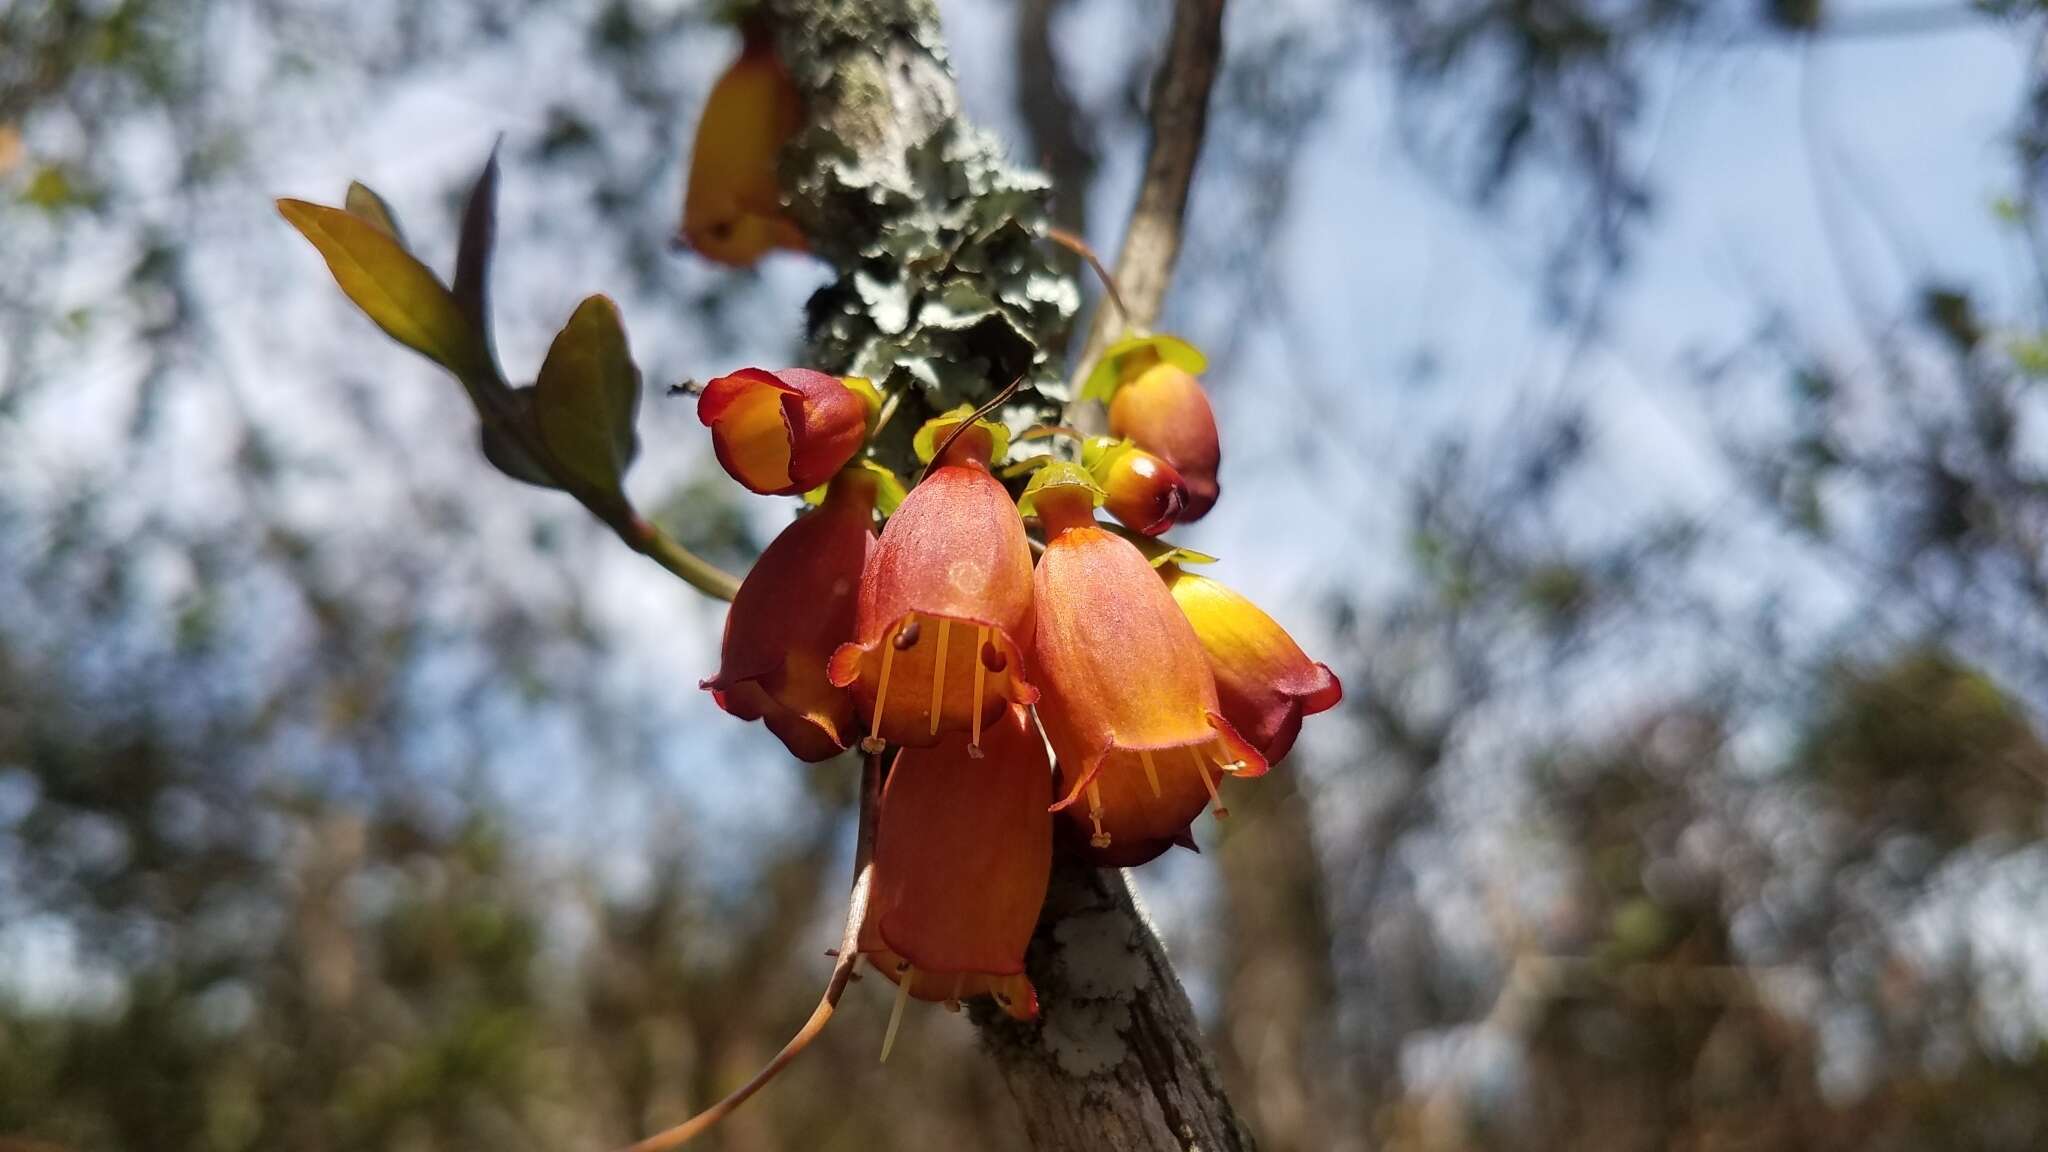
(1097, 696)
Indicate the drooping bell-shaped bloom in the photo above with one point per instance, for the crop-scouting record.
(945, 616)
(963, 851)
(1144, 493)
(781, 433)
(732, 210)
(1157, 402)
(794, 609)
(1264, 681)
(1127, 699)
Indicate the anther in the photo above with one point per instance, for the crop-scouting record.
(906, 636)
(1202, 768)
(1151, 773)
(992, 658)
(896, 1013)
(1100, 839)
(939, 674)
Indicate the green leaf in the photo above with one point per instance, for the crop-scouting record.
(1160, 553)
(370, 208)
(507, 452)
(394, 290)
(889, 491)
(473, 255)
(587, 396)
(1108, 371)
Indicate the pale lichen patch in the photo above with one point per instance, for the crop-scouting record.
(1086, 1038)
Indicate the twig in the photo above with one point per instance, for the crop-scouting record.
(994, 402)
(1180, 119)
(1080, 247)
(843, 966)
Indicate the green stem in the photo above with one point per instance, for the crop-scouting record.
(699, 573)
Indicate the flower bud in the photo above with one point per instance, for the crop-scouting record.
(1161, 408)
(732, 209)
(782, 433)
(1144, 493)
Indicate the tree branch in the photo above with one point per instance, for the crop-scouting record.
(944, 293)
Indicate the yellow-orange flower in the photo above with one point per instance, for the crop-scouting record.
(945, 606)
(794, 609)
(963, 851)
(1127, 698)
(781, 433)
(732, 210)
(1264, 681)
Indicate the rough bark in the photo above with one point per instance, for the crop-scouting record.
(945, 291)
(1116, 1061)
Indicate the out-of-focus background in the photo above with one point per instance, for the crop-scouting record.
(1637, 402)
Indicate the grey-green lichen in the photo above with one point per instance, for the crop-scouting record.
(946, 289)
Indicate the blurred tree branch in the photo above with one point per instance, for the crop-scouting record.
(1180, 120)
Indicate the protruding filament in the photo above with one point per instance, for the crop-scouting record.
(896, 1013)
(1100, 839)
(939, 674)
(873, 745)
(1209, 782)
(959, 984)
(980, 683)
(1151, 773)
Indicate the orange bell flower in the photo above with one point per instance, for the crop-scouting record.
(1264, 681)
(732, 209)
(1144, 493)
(1157, 403)
(781, 433)
(963, 853)
(794, 608)
(1127, 701)
(953, 559)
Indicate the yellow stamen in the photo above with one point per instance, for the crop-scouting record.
(1100, 839)
(980, 683)
(896, 1013)
(1151, 773)
(1202, 767)
(874, 744)
(939, 674)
